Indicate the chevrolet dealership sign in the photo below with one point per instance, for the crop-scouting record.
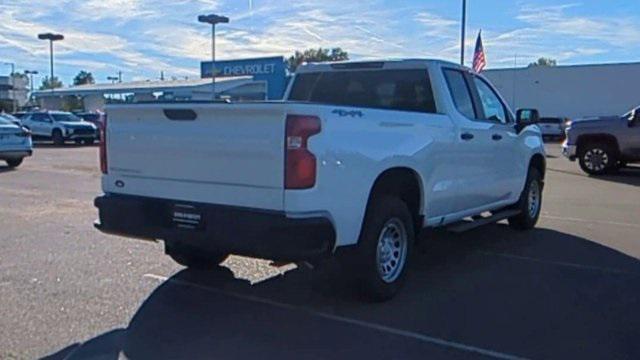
(272, 70)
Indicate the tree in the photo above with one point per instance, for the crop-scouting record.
(49, 84)
(543, 61)
(83, 78)
(316, 55)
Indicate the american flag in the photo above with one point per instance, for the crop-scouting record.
(479, 59)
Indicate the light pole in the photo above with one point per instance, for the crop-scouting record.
(30, 73)
(463, 31)
(213, 20)
(51, 37)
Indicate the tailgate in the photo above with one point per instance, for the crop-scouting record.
(227, 154)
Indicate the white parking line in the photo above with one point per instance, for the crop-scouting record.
(590, 221)
(560, 263)
(378, 327)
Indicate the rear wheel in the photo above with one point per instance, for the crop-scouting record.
(194, 259)
(14, 162)
(597, 158)
(57, 137)
(383, 250)
(89, 141)
(530, 202)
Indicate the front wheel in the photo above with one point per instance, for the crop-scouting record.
(383, 250)
(14, 162)
(530, 202)
(57, 137)
(597, 158)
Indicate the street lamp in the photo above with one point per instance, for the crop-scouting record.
(31, 73)
(13, 85)
(213, 20)
(51, 37)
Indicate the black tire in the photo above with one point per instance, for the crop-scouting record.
(528, 216)
(194, 259)
(597, 158)
(89, 141)
(14, 162)
(57, 137)
(384, 214)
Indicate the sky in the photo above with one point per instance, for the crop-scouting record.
(141, 38)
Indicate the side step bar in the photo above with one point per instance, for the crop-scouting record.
(478, 221)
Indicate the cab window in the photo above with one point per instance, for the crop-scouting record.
(494, 109)
(460, 92)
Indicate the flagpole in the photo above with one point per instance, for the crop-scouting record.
(464, 30)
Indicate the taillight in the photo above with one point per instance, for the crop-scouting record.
(300, 163)
(103, 145)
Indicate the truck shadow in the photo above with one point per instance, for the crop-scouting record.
(629, 175)
(538, 294)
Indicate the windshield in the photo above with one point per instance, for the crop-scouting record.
(68, 117)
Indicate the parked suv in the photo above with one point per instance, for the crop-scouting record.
(358, 159)
(60, 126)
(605, 144)
(552, 127)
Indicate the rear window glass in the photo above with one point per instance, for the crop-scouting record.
(550, 120)
(405, 90)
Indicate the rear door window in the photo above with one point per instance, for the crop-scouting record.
(460, 92)
(404, 90)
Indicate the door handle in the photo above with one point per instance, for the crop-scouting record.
(466, 136)
(496, 137)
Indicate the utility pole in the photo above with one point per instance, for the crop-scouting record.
(463, 31)
(213, 20)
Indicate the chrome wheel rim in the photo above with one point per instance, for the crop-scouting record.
(533, 204)
(392, 250)
(596, 159)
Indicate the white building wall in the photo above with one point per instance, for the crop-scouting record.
(571, 91)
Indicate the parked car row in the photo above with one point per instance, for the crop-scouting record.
(17, 131)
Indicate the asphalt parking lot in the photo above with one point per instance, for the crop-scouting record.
(568, 289)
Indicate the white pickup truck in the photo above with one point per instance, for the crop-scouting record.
(357, 159)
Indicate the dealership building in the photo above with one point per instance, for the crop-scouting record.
(570, 91)
(237, 80)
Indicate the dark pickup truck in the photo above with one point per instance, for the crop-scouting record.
(603, 145)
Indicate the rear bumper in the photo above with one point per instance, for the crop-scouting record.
(250, 232)
(14, 154)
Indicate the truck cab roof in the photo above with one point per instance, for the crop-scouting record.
(374, 65)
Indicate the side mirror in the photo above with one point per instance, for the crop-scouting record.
(526, 117)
